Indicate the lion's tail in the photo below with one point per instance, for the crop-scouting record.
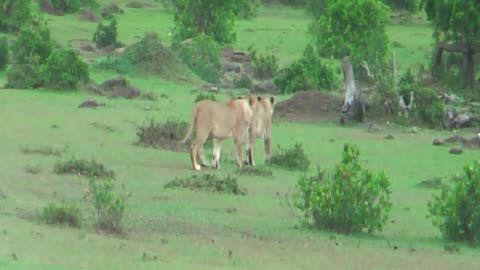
(190, 128)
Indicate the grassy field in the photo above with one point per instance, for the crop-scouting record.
(180, 229)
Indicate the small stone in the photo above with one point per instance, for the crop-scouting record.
(438, 141)
(456, 150)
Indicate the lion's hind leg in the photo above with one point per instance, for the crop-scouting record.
(217, 148)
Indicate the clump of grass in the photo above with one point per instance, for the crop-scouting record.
(256, 171)
(293, 158)
(44, 150)
(149, 96)
(202, 96)
(110, 207)
(83, 167)
(32, 169)
(165, 135)
(65, 213)
(209, 182)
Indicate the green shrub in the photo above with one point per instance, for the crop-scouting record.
(89, 168)
(202, 96)
(209, 182)
(106, 35)
(264, 66)
(456, 210)
(64, 70)
(120, 65)
(23, 76)
(166, 135)
(306, 73)
(409, 5)
(256, 171)
(4, 57)
(214, 18)
(66, 213)
(202, 57)
(68, 6)
(291, 158)
(428, 107)
(110, 207)
(14, 14)
(243, 82)
(247, 9)
(347, 200)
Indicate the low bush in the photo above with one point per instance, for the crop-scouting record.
(89, 168)
(202, 96)
(243, 82)
(64, 70)
(349, 199)
(256, 171)
(106, 35)
(293, 158)
(14, 14)
(307, 73)
(264, 66)
(202, 56)
(456, 210)
(44, 150)
(65, 213)
(110, 206)
(166, 135)
(209, 182)
(121, 65)
(428, 108)
(72, 6)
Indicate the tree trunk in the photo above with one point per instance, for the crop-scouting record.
(352, 106)
(468, 67)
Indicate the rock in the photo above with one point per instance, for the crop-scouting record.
(266, 87)
(413, 130)
(438, 141)
(119, 87)
(374, 128)
(456, 150)
(231, 67)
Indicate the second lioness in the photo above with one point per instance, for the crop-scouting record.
(260, 127)
(220, 120)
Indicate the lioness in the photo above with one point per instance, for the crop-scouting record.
(260, 126)
(221, 120)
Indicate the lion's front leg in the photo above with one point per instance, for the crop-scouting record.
(217, 148)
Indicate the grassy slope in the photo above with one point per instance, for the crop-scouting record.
(196, 225)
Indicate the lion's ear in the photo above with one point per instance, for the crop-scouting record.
(252, 100)
(272, 100)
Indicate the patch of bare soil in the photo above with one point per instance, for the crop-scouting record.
(90, 104)
(88, 15)
(309, 106)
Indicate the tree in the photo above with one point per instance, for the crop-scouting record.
(215, 18)
(357, 28)
(13, 14)
(409, 5)
(456, 29)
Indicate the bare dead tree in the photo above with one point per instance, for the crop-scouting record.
(352, 106)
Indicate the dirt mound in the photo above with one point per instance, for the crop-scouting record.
(116, 87)
(139, 4)
(111, 9)
(151, 55)
(266, 87)
(309, 106)
(88, 15)
(91, 104)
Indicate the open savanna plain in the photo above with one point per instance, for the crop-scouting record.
(183, 229)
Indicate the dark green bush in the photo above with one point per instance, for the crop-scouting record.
(456, 210)
(243, 82)
(4, 57)
(166, 135)
(89, 168)
(106, 35)
(64, 70)
(264, 66)
(14, 14)
(68, 6)
(66, 213)
(291, 158)
(347, 200)
(247, 9)
(307, 73)
(409, 5)
(209, 182)
(202, 96)
(110, 207)
(428, 107)
(24, 76)
(202, 57)
(120, 65)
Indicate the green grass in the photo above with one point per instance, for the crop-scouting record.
(187, 229)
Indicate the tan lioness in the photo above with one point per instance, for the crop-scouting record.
(221, 120)
(260, 126)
